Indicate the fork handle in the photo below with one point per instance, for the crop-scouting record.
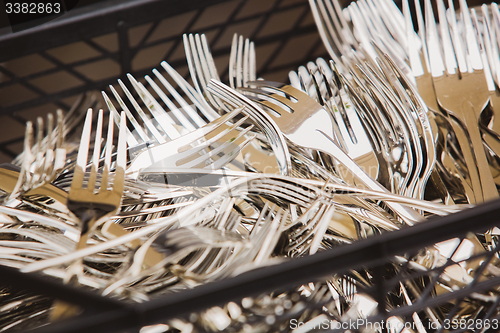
(488, 186)
(325, 144)
(60, 309)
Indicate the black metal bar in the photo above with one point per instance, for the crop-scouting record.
(42, 285)
(370, 252)
(179, 39)
(229, 21)
(93, 20)
(98, 85)
(380, 292)
(67, 68)
(125, 54)
(55, 69)
(283, 42)
(23, 81)
(7, 151)
(436, 300)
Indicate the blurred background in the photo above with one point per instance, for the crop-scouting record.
(48, 66)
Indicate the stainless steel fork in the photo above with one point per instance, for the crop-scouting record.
(462, 92)
(350, 134)
(223, 141)
(242, 67)
(202, 67)
(419, 64)
(308, 124)
(90, 205)
(490, 54)
(43, 161)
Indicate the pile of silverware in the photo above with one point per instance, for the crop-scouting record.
(204, 180)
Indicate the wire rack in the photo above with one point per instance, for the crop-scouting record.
(46, 67)
(378, 255)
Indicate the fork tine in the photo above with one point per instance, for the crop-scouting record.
(163, 119)
(60, 155)
(24, 175)
(193, 115)
(304, 77)
(457, 40)
(233, 140)
(39, 150)
(232, 61)
(48, 163)
(200, 69)
(239, 60)
(367, 117)
(363, 30)
(212, 128)
(261, 119)
(202, 161)
(242, 60)
(252, 63)
(433, 45)
(209, 63)
(121, 157)
(387, 28)
(138, 128)
(188, 50)
(295, 82)
(376, 32)
(81, 160)
(178, 114)
(97, 151)
(313, 70)
(495, 38)
(246, 60)
(422, 34)
(60, 129)
(272, 101)
(271, 235)
(272, 89)
(470, 37)
(320, 229)
(230, 155)
(225, 208)
(413, 54)
(449, 52)
(193, 95)
(197, 62)
(491, 45)
(98, 139)
(107, 155)
(181, 148)
(496, 25)
(309, 228)
(324, 28)
(339, 21)
(262, 216)
(150, 126)
(112, 110)
(341, 106)
(487, 70)
(327, 77)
